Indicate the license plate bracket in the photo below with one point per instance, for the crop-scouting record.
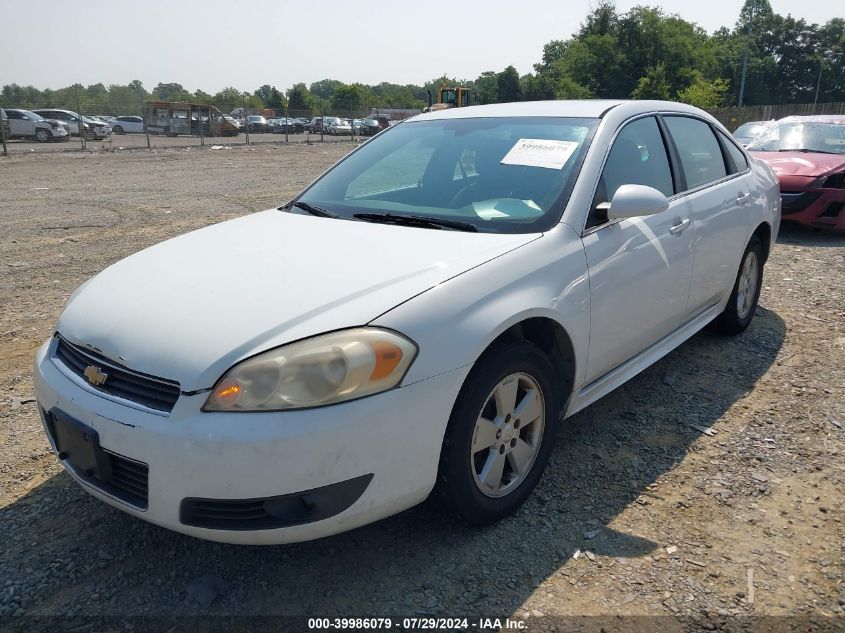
(79, 444)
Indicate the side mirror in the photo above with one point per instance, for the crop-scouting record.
(631, 201)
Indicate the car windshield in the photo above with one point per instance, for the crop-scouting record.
(501, 175)
(32, 116)
(750, 130)
(807, 136)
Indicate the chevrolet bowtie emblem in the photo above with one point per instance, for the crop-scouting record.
(95, 375)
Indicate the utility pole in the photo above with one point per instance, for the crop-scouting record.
(3, 137)
(819, 82)
(246, 118)
(744, 65)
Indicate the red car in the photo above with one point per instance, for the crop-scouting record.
(808, 155)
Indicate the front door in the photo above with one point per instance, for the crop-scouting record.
(640, 269)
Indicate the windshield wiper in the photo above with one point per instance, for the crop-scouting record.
(417, 220)
(310, 208)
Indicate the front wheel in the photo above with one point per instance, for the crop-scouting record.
(500, 434)
(42, 135)
(117, 129)
(742, 304)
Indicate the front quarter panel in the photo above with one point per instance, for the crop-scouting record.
(456, 321)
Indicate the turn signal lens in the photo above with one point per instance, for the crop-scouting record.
(322, 370)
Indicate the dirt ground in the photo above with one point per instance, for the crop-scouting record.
(640, 512)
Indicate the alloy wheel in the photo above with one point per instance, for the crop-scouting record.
(747, 287)
(508, 434)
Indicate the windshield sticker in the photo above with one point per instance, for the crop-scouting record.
(537, 152)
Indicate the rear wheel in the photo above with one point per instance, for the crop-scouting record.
(742, 304)
(500, 434)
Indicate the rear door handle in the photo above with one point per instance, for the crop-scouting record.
(743, 198)
(679, 226)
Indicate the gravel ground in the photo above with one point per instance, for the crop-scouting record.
(641, 512)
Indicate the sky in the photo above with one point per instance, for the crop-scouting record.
(211, 44)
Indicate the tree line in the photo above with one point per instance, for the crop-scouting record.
(644, 53)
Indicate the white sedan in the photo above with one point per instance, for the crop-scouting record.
(127, 125)
(414, 323)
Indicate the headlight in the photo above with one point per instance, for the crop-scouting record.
(326, 369)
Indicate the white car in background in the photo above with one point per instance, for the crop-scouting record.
(26, 124)
(337, 126)
(127, 125)
(93, 128)
(417, 321)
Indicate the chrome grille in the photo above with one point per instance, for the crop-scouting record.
(156, 393)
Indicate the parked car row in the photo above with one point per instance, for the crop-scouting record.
(26, 124)
(78, 124)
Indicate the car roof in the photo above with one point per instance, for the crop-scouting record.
(580, 108)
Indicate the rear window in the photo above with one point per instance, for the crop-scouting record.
(701, 156)
(740, 164)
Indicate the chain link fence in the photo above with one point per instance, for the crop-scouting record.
(77, 122)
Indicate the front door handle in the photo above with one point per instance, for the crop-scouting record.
(743, 198)
(679, 226)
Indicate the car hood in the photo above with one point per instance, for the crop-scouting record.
(801, 163)
(189, 308)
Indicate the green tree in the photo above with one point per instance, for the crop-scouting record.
(171, 92)
(348, 100)
(486, 87)
(653, 85)
(704, 93)
(325, 88)
(507, 86)
(300, 101)
(228, 99)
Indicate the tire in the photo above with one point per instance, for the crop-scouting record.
(117, 130)
(742, 304)
(468, 467)
(42, 135)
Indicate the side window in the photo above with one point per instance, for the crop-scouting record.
(638, 157)
(13, 115)
(701, 156)
(740, 163)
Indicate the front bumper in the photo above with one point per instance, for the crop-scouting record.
(821, 208)
(394, 436)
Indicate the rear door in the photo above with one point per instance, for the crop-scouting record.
(640, 269)
(718, 196)
(18, 125)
